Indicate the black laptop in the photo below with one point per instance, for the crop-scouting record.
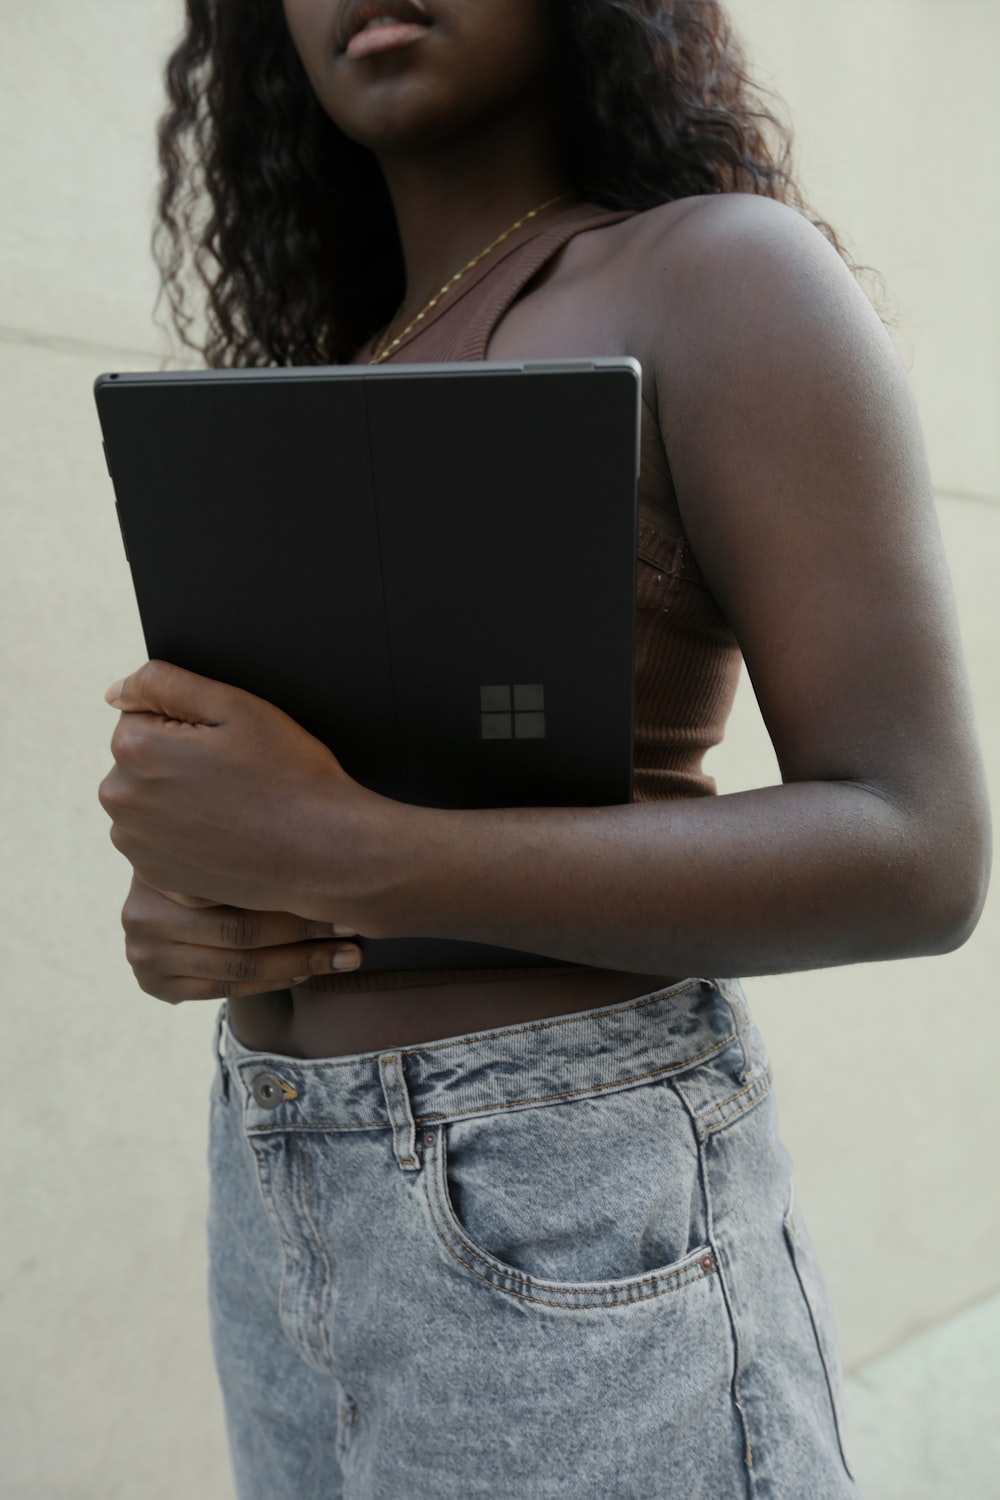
(432, 568)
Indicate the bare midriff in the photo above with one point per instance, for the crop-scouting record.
(313, 1021)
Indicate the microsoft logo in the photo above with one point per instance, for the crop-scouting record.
(513, 713)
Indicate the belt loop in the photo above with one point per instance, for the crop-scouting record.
(397, 1102)
(220, 1021)
(732, 992)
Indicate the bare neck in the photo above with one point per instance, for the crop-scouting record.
(451, 203)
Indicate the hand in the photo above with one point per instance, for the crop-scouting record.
(180, 949)
(217, 793)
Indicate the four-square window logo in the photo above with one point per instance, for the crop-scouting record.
(513, 712)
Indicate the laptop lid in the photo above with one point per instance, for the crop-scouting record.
(432, 568)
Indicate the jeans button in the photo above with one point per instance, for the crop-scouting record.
(267, 1090)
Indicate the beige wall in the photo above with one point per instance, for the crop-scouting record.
(884, 1073)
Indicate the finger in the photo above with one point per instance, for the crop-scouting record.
(158, 687)
(234, 927)
(155, 918)
(255, 970)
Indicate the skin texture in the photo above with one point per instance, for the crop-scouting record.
(802, 484)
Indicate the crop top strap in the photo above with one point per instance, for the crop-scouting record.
(501, 291)
(463, 325)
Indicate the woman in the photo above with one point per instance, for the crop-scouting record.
(531, 1232)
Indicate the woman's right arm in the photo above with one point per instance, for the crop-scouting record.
(179, 951)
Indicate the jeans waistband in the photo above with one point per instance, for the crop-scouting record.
(509, 1068)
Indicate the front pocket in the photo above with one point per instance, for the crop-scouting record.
(595, 1202)
(810, 1279)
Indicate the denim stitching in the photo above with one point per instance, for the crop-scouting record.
(285, 1296)
(760, 1078)
(450, 1232)
(695, 1274)
(326, 1291)
(494, 1109)
(596, 1088)
(731, 1119)
(702, 1137)
(512, 1274)
(393, 1083)
(279, 1129)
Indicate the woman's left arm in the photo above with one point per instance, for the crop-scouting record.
(800, 469)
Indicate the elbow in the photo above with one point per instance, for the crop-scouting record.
(953, 884)
(956, 914)
(949, 930)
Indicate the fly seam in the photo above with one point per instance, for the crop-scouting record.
(326, 1292)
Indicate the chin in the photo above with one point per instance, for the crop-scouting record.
(397, 116)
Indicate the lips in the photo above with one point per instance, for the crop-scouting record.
(357, 14)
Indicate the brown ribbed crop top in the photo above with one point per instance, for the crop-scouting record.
(687, 659)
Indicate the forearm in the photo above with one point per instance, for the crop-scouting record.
(807, 875)
(217, 795)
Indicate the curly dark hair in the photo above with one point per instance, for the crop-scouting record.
(260, 191)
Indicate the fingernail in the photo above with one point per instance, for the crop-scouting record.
(301, 979)
(339, 930)
(114, 693)
(346, 960)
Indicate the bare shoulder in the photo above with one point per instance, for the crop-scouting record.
(700, 244)
(730, 279)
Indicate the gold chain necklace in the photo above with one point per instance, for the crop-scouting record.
(384, 352)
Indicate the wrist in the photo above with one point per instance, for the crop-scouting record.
(362, 858)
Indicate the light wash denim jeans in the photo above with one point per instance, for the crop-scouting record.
(551, 1261)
